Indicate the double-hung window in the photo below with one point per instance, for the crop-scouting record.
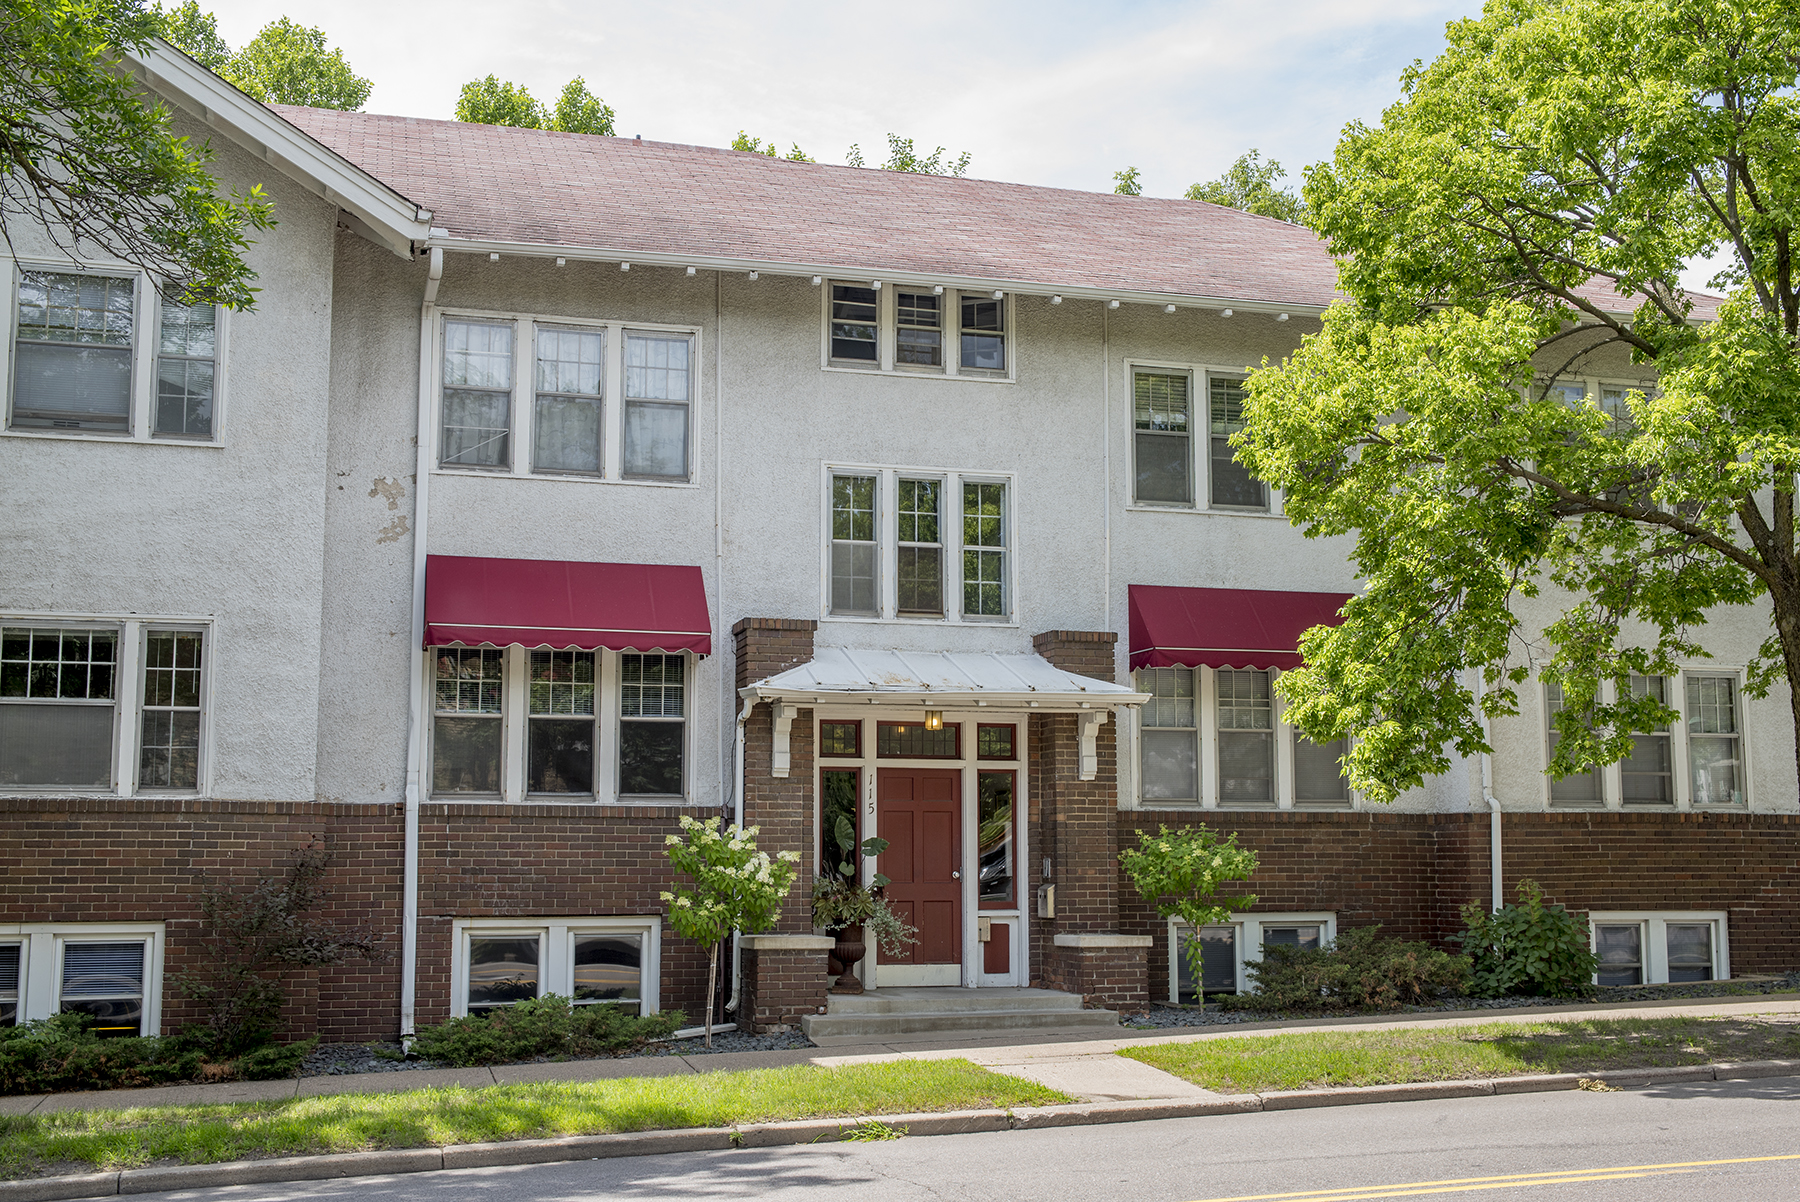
(515, 724)
(892, 550)
(560, 418)
(1703, 767)
(1584, 787)
(592, 961)
(1714, 740)
(107, 354)
(1172, 466)
(1647, 776)
(931, 331)
(1214, 737)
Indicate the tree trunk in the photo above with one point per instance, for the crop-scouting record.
(1787, 625)
(712, 987)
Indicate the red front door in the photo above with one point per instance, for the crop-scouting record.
(919, 812)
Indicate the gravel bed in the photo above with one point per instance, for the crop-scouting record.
(1193, 1016)
(337, 1059)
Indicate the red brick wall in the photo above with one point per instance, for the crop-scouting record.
(780, 985)
(1106, 977)
(146, 860)
(782, 807)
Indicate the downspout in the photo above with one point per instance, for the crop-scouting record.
(737, 798)
(415, 742)
(1493, 803)
(1106, 452)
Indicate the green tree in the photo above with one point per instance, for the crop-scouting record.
(285, 63)
(736, 888)
(1249, 184)
(1128, 184)
(745, 142)
(902, 157)
(92, 165)
(1559, 156)
(495, 101)
(1180, 872)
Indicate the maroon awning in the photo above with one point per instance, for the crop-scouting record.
(1224, 627)
(559, 603)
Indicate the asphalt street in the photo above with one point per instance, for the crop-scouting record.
(1728, 1140)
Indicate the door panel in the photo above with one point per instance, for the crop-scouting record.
(919, 812)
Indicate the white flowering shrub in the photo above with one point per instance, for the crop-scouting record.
(736, 888)
(1180, 873)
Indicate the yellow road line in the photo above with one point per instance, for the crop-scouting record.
(1451, 1185)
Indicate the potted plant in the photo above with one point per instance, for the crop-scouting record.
(843, 906)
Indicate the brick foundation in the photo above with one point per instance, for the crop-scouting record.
(784, 978)
(1114, 977)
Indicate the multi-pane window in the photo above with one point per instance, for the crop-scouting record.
(477, 406)
(916, 741)
(72, 358)
(466, 727)
(169, 753)
(1169, 743)
(984, 550)
(1582, 787)
(1232, 485)
(1319, 779)
(995, 742)
(11, 962)
(591, 961)
(853, 546)
(652, 726)
(983, 333)
(658, 379)
(186, 352)
(840, 739)
(106, 982)
(920, 573)
(994, 826)
(566, 421)
(853, 323)
(57, 692)
(1648, 773)
(1163, 439)
(1246, 738)
(560, 738)
(1714, 742)
(919, 329)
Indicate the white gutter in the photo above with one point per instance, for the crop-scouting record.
(704, 262)
(415, 740)
(1069, 702)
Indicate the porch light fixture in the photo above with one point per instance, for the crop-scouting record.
(934, 719)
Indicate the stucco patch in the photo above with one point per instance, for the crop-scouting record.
(394, 531)
(390, 490)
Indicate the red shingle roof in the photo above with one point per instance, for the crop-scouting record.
(493, 183)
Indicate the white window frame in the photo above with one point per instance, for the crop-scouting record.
(556, 959)
(40, 962)
(887, 332)
(1206, 717)
(950, 532)
(128, 698)
(1654, 945)
(1199, 377)
(1248, 934)
(514, 735)
(523, 397)
(1612, 775)
(145, 342)
(1593, 387)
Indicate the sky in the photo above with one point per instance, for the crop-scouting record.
(1054, 93)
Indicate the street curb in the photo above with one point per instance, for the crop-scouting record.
(808, 1131)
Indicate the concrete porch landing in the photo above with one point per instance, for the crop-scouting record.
(916, 1010)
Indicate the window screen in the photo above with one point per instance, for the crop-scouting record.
(658, 387)
(853, 323)
(983, 333)
(477, 406)
(1160, 416)
(919, 338)
(106, 982)
(1713, 740)
(1319, 778)
(1690, 951)
(72, 359)
(56, 707)
(1169, 749)
(187, 341)
(1648, 773)
(503, 969)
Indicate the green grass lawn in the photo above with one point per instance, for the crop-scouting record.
(1253, 1064)
(88, 1140)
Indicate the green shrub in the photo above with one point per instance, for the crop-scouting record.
(547, 1026)
(1528, 948)
(59, 1053)
(1359, 971)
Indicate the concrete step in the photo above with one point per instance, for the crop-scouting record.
(885, 1013)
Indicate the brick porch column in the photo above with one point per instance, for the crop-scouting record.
(1076, 822)
(784, 978)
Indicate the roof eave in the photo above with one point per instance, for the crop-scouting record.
(488, 246)
(378, 212)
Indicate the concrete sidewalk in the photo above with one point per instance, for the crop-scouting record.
(1071, 1061)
